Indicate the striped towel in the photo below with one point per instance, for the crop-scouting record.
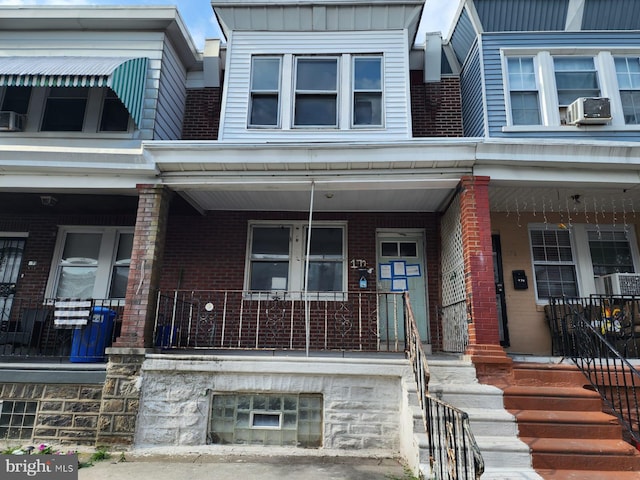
(72, 312)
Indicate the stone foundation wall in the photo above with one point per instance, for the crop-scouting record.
(66, 414)
(362, 399)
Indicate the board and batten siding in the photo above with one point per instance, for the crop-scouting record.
(96, 44)
(494, 82)
(172, 93)
(242, 45)
(472, 102)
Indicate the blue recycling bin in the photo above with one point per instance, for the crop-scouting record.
(89, 343)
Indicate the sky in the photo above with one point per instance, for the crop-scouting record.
(200, 21)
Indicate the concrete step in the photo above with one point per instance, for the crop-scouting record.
(492, 422)
(524, 397)
(583, 454)
(451, 371)
(508, 474)
(504, 452)
(466, 396)
(565, 424)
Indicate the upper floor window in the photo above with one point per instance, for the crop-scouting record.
(628, 74)
(540, 87)
(91, 263)
(16, 99)
(575, 77)
(265, 92)
(332, 91)
(523, 91)
(115, 116)
(64, 109)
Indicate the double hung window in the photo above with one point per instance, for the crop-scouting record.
(525, 105)
(316, 92)
(16, 99)
(575, 77)
(265, 91)
(91, 263)
(277, 258)
(553, 263)
(628, 74)
(367, 91)
(64, 109)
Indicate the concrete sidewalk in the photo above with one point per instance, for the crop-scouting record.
(243, 463)
(244, 468)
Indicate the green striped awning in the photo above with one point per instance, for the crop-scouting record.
(125, 76)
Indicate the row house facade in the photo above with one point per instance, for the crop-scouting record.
(214, 247)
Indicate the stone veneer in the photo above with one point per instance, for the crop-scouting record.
(362, 398)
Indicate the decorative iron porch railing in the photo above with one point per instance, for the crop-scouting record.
(234, 319)
(28, 331)
(453, 451)
(599, 335)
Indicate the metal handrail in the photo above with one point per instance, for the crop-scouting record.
(453, 451)
(589, 340)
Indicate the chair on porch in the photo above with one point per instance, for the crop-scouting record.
(26, 331)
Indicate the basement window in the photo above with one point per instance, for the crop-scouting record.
(266, 419)
(17, 419)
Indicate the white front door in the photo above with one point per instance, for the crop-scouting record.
(401, 267)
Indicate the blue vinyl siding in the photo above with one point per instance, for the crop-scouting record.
(611, 15)
(522, 15)
(472, 104)
(463, 37)
(494, 87)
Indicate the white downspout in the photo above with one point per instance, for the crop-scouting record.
(307, 313)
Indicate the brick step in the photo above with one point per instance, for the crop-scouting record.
(522, 397)
(566, 424)
(548, 374)
(586, 475)
(590, 454)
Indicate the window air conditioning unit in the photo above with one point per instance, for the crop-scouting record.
(618, 284)
(11, 122)
(589, 111)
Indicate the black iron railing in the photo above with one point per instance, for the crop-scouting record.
(28, 330)
(234, 319)
(453, 451)
(598, 334)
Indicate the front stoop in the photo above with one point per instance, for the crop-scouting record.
(563, 423)
(506, 457)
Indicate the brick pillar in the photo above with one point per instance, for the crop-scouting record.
(144, 271)
(121, 395)
(484, 347)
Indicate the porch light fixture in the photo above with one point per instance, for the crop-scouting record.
(576, 198)
(48, 200)
(328, 195)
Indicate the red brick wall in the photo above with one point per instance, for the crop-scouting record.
(436, 107)
(478, 260)
(202, 114)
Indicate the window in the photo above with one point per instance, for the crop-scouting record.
(610, 252)
(367, 91)
(628, 73)
(16, 99)
(115, 116)
(64, 109)
(17, 419)
(553, 263)
(92, 263)
(265, 91)
(523, 90)
(330, 91)
(575, 77)
(277, 253)
(316, 92)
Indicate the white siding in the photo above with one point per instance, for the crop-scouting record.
(242, 45)
(171, 96)
(96, 44)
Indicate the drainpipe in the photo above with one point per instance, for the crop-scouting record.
(307, 313)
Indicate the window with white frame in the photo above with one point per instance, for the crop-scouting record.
(91, 263)
(566, 261)
(540, 86)
(628, 75)
(322, 91)
(523, 91)
(553, 263)
(64, 109)
(277, 254)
